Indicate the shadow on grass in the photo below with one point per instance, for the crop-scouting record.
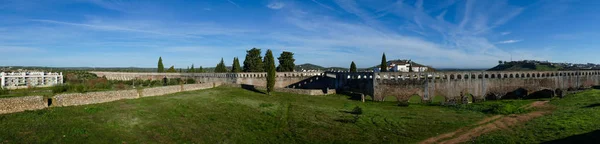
(592, 137)
(252, 88)
(592, 105)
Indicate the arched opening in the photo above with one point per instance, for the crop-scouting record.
(466, 77)
(487, 76)
(516, 94)
(493, 76)
(538, 75)
(469, 98)
(517, 75)
(499, 76)
(480, 76)
(511, 76)
(458, 77)
(415, 99)
(546, 93)
(505, 75)
(522, 75)
(528, 75)
(472, 76)
(438, 99)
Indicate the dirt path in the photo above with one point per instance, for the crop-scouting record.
(489, 124)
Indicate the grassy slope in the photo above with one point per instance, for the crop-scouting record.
(576, 119)
(232, 115)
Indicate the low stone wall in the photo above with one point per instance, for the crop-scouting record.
(93, 97)
(157, 91)
(19, 104)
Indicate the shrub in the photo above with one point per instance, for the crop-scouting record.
(190, 81)
(120, 86)
(4, 91)
(357, 111)
(60, 88)
(80, 88)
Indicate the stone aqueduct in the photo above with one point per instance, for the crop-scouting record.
(453, 86)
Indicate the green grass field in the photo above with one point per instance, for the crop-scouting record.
(575, 120)
(233, 115)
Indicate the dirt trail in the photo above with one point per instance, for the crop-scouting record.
(489, 124)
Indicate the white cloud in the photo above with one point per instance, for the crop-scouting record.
(509, 41)
(276, 5)
(505, 33)
(233, 3)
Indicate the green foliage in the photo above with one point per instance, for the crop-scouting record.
(80, 88)
(190, 81)
(357, 111)
(253, 61)
(161, 67)
(221, 68)
(192, 69)
(286, 62)
(353, 67)
(60, 88)
(171, 70)
(383, 66)
(4, 91)
(200, 70)
(270, 67)
(236, 68)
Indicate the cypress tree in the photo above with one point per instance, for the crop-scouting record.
(253, 61)
(236, 68)
(410, 69)
(270, 66)
(161, 67)
(353, 67)
(192, 70)
(286, 62)
(221, 68)
(383, 65)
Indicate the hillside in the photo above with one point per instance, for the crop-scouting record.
(522, 66)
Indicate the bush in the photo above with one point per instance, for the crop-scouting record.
(80, 88)
(60, 88)
(190, 81)
(357, 111)
(4, 91)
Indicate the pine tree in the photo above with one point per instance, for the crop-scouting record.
(171, 70)
(253, 61)
(188, 70)
(236, 68)
(221, 68)
(286, 62)
(383, 65)
(353, 67)
(161, 67)
(192, 70)
(270, 67)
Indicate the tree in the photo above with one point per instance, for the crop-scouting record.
(353, 67)
(410, 67)
(383, 65)
(192, 70)
(270, 67)
(286, 62)
(171, 70)
(236, 68)
(161, 67)
(253, 61)
(221, 68)
(200, 70)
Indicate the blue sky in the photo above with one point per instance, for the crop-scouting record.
(442, 34)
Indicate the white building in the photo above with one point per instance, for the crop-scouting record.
(403, 66)
(29, 79)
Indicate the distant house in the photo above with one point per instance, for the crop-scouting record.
(403, 66)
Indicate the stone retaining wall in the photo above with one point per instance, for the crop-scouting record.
(18, 104)
(93, 97)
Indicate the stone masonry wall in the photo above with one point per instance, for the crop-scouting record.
(93, 97)
(19, 104)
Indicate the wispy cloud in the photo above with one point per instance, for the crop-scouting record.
(233, 3)
(276, 5)
(323, 5)
(505, 33)
(509, 41)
